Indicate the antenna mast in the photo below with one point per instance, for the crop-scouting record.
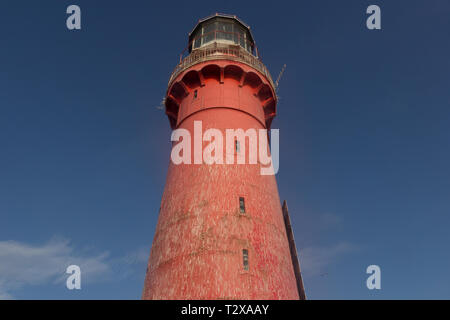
(279, 77)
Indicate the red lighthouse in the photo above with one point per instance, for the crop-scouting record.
(222, 232)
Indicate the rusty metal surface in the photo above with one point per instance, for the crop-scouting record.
(293, 249)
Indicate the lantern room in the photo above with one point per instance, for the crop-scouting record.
(221, 29)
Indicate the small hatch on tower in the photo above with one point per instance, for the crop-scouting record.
(241, 205)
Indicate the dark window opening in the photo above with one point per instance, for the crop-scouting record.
(245, 258)
(241, 205)
(195, 94)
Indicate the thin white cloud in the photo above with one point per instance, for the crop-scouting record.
(133, 262)
(23, 265)
(315, 260)
(330, 220)
(5, 296)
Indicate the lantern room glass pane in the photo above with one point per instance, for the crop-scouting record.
(198, 41)
(209, 32)
(225, 30)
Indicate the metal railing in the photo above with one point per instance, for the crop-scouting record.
(220, 51)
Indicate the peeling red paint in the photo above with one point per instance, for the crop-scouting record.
(200, 235)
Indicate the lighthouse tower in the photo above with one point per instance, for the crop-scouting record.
(222, 232)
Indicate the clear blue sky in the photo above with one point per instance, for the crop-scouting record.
(364, 123)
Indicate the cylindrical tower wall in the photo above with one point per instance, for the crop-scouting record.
(203, 238)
